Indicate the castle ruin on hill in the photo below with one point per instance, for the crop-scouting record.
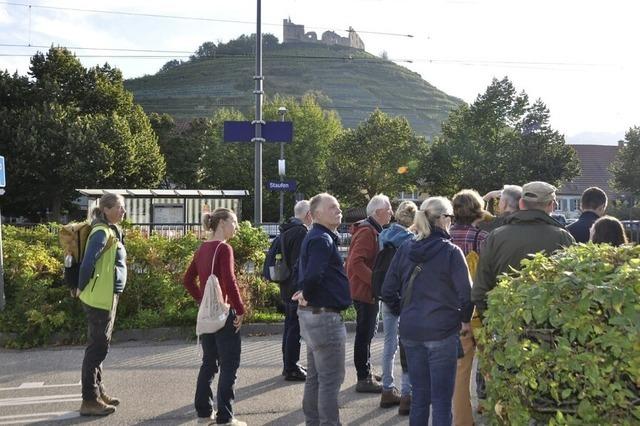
(295, 33)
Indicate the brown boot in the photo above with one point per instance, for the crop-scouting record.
(405, 405)
(109, 400)
(389, 398)
(96, 408)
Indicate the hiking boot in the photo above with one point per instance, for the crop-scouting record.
(234, 422)
(109, 400)
(389, 398)
(405, 405)
(368, 385)
(96, 408)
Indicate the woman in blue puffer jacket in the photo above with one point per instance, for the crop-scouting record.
(431, 308)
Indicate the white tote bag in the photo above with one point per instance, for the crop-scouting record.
(213, 310)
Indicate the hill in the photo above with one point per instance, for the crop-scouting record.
(354, 81)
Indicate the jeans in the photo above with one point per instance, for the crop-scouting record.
(291, 337)
(220, 352)
(99, 329)
(390, 325)
(366, 325)
(325, 336)
(432, 369)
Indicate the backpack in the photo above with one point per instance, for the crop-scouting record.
(380, 267)
(473, 257)
(73, 239)
(275, 266)
(213, 310)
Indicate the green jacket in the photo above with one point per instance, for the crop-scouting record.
(98, 292)
(525, 232)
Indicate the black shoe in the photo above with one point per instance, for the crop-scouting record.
(296, 376)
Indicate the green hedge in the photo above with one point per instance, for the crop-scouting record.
(38, 305)
(562, 340)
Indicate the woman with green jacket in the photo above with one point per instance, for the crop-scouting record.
(103, 276)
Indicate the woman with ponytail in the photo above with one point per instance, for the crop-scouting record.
(220, 350)
(428, 285)
(102, 278)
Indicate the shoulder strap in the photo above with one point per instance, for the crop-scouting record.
(215, 253)
(406, 295)
(475, 240)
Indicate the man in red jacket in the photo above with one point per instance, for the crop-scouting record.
(362, 255)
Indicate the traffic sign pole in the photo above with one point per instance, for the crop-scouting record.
(258, 77)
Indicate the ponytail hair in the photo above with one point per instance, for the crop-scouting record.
(210, 221)
(107, 201)
(431, 209)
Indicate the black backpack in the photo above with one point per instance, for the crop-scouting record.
(380, 267)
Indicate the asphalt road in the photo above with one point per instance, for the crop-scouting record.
(156, 383)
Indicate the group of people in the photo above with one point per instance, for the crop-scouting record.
(448, 255)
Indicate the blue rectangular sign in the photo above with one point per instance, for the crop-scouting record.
(3, 180)
(284, 186)
(244, 131)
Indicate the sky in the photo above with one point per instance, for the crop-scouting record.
(577, 56)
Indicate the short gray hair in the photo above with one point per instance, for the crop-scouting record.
(379, 201)
(511, 195)
(316, 201)
(301, 209)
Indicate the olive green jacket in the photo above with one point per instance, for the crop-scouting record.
(525, 232)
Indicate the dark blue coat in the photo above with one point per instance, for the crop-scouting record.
(581, 229)
(441, 296)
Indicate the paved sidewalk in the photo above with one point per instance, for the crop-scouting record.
(156, 382)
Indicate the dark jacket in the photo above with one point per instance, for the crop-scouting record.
(321, 275)
(496, 222)
(525, 233)
(362, 256)
(292, 234)
(580, 229)
(440, 300)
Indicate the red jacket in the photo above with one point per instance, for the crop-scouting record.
(224, 269)
(362, 256)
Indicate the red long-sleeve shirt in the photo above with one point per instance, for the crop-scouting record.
(224, 269)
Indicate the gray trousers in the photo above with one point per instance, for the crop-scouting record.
(99, 330)
(325, 336)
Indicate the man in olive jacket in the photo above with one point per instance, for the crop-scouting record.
(526, 232)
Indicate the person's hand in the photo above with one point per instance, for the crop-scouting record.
(466, 328)
(237, 323)
(298, 297)
(493, 194)
(75, 292)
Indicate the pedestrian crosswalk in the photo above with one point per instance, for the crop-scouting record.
(32, 402)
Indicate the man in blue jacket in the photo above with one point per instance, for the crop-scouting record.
(324, 294)
(593, 203)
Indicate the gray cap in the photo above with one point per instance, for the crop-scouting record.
(538, 192)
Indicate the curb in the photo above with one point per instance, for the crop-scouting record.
(171, 333)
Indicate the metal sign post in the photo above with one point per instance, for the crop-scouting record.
(3, 183)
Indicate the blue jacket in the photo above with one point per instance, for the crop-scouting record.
(441, 296)
(581, 229)
(321, 274)
(395, 235)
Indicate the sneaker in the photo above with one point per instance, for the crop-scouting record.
(208, 420)
(405, 405)
(109, 400)
(296, 376)
(234, 422)
(96, 408)
(368, 385)
(389, 398)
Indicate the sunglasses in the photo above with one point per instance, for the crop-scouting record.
(450, 216)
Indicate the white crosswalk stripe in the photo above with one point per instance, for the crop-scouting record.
(38, 401)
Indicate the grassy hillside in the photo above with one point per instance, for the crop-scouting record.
(354, 86)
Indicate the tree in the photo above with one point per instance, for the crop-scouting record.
(371, 159)
(68, 127)
(626, 166)
(174, 63)
(500, 139)
(206, 50)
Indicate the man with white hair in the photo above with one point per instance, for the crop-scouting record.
(508, 203)
(292, 234)
(362, 255)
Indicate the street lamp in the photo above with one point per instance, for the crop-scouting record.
(281, 166)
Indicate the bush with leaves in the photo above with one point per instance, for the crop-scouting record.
(562, 339)
(38, 302)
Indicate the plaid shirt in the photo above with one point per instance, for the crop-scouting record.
(463, 236)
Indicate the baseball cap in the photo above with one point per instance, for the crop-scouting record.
(538, 192)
